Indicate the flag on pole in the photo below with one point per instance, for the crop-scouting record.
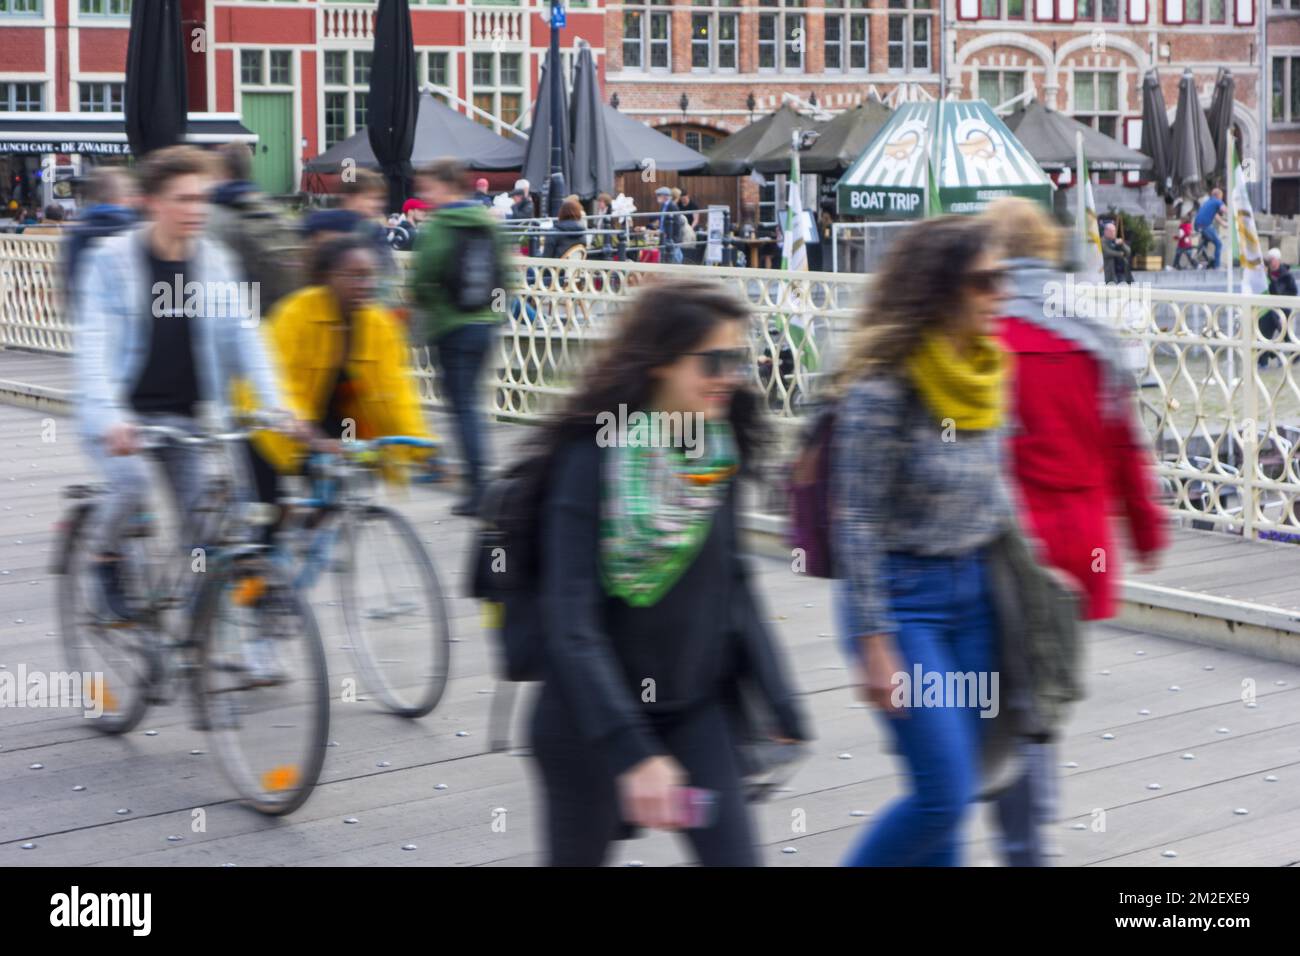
(1243, 238)
(1086, 217)
(794, 252)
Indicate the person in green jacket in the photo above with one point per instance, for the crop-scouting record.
(460, 288)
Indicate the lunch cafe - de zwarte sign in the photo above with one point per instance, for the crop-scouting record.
(65, 147)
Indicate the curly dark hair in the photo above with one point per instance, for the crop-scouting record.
(918, 287)
(664, 321)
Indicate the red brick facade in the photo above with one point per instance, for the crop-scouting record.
(945, 44)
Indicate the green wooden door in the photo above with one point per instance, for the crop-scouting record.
(270, 116)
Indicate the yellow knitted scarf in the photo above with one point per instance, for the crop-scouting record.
(965, 388)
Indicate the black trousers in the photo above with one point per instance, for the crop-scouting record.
(583, 815)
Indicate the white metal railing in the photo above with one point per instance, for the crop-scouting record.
(1226, 432)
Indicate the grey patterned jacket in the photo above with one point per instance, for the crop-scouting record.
(901, 482)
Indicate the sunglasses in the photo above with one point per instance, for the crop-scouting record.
(719, 362)
(984, 280)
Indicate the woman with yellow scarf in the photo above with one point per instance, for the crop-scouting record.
(918, 494)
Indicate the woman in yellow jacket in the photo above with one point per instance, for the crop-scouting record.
(343, 360)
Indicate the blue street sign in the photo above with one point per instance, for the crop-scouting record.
(558, 17)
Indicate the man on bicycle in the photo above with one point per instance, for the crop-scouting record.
(1207, 217)
(163, 328)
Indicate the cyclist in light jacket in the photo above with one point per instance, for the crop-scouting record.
(164, 327)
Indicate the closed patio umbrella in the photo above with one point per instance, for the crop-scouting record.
(593, 158)
(1193, 156)
(1156, 138)
(392, 107)
(155, 101)
(1219, 119)
(537, 159)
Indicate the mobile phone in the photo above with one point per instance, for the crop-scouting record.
(697, 808)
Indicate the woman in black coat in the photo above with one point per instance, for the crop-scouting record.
(651, 626)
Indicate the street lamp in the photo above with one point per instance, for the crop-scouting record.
(555, 193)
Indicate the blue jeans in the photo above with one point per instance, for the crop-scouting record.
(1209, 235)
(1028, 804)
(461, 353)
(944, 614)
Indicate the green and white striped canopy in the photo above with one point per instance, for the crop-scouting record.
(976, 160)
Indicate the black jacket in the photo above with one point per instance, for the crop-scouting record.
(569, 233)
(1281, 282)
(698, 644)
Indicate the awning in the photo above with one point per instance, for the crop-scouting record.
(1050, 138)
(975, 160)
(104, 134)
(841, 140)
(635, 145)
(439, 131)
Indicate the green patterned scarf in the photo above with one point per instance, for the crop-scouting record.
(657, 510)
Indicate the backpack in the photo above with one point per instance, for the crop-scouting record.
(473, 272)
(266, 244)
(505, 572)
(809, 491)
(506, 562)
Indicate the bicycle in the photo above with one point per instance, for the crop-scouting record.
(241, 596)
(386, 575)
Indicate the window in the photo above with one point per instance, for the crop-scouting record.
(22, 97)
(998, 86)
(250, 67)
(436, 69)
(336, 67)
(1096, 100)
(646, 37)
(781, 37)
(100, 97)
(281, 68)
(700, 142)
(846, 36)
(908, 39)
(20, 6)
(497, 87)
(1104, 10)
(266, 67)
(1205, 11)
(1286, 89)
(714, 38)
(347, 85)
(106, 8)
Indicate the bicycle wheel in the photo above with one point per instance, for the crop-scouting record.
(262, 684)
(395, 611)
(116, 656)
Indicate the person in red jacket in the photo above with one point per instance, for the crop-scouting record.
(1077, 454)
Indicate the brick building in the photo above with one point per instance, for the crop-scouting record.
(297, 70)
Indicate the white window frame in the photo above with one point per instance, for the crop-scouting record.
(496, 88)
(1090, 114)
(714, 41)
(103, 86)
(845, 16)
(349, 88)
(122, 11)
(651, 12)
(23, 14)
(908, 13)
(1290, 60)
(1001, 73)
(790, 24)
(7, 100)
